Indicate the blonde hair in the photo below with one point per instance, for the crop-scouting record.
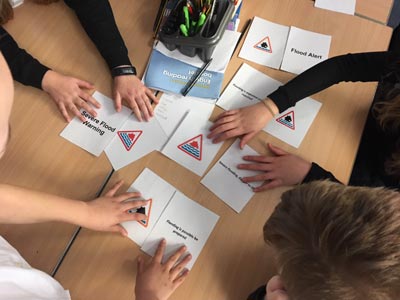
(336, 242)
(6, 12)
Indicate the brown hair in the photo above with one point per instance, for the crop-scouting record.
(337, 242)
(6, 12)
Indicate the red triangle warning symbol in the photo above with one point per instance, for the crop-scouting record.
(264, 45)
(129, 138)
(287, 120)
(193, 147)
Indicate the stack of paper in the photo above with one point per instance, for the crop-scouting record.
(171, 215)
(343, 6)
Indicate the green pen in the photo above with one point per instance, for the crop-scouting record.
(184, 30)
(202, 19)
(186, 13)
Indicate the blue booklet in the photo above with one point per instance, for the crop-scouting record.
(169, 74)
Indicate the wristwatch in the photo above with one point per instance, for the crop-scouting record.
(121, 71)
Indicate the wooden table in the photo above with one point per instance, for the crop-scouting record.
(234, 260)
(377, 10)
(37, 157)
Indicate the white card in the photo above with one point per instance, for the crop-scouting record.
(265, 43)
(184, 222)
(304, 49)
(247, 87)
(96, 133)
(153, 187)
(134, 140)
(172, 108)
(189, 146)
(292, 125)
(224, 179)
(343, 6)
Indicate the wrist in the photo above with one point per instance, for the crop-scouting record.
(47, 80)
(123, 70)
(271, 106)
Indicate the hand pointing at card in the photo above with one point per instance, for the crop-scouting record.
(282, 169)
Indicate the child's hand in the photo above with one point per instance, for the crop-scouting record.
(275, 289)
(157, 281)
(107, 212)
(69, 95)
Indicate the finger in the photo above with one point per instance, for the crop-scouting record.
(140, 264)
(259, 158)
(133, 204)
(136, 111)
(223, 120)
(246, 138)
(149, 108)
(269, 185)
(125, 217)
(85, 84)
(117, 99)
(64, 112)
(179, 267)
(227, 135)
(276, 150)
(259, 177)
(160, 251)
(151, 96)
(226, 113)
(118, 228)
(175, 257)
(221, 129)
(88, 98)
(114, 188)
(127, 196)
(83, 104)
(143, 108)
(178, 281)
(77, 113)
(256, 167)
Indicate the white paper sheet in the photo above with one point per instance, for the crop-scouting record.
(221, 55)
(265, 43)
(189, 145)
(184, 222)
(95, 134)
(304, 49)
(247, 87)
(172, 108)
(134, 140)
(292, 125)
(343, 6)
(153, 187)
(224, 179)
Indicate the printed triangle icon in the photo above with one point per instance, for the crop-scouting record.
(193, 147)
(129, 138)
(287, 120)
(145, 223)
(264, 45)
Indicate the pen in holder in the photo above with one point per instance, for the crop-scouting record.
(196, 26)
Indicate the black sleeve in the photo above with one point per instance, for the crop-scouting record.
(318, 173)
(24, 68)
(97, 19)
(258, 294)
(350, 67)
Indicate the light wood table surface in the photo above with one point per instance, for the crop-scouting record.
(37, 157)
(378, 10)
(234, 260)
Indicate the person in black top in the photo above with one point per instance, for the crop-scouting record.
(378, 158)
(97, 19)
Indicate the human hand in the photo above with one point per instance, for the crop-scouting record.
(69, 95)
(136, 94)
(107, 212)
(245, 122)
(282, 169)
(157, 281)
(275, 289)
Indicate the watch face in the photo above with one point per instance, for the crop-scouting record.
(123, 71)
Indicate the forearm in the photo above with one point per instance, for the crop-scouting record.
(22, 206)
(24, 68)
(351, 67)
(97, 19)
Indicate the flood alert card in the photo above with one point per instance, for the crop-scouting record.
(292, 125)
(160, 192)
(134, 140)
(304, 49)
(247, 87)
(96, 133)
(184, 222)
(265, 43)
(189, 145)
(224, 179)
